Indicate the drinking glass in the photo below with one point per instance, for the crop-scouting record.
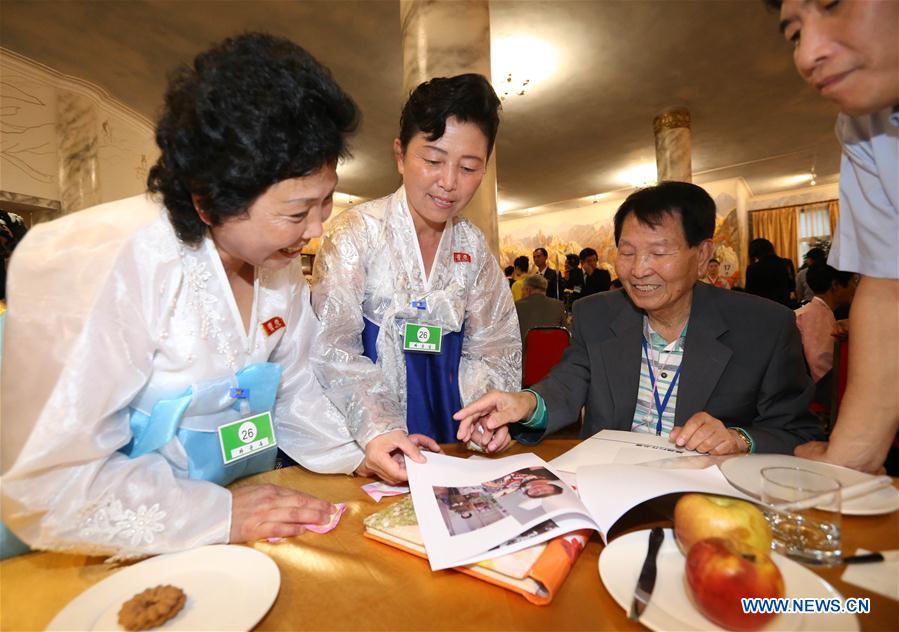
(803, 510)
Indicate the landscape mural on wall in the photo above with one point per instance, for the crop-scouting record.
(562, 238)
(566, 238)
(726, 241)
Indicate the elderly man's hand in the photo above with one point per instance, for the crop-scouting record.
(384, 454)
(708, 435)
(491, 412)
(270, 511)
(491, 441)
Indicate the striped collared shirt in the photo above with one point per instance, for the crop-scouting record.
(666, 359)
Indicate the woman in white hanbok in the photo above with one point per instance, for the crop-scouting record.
(389, 267)
(139, 330)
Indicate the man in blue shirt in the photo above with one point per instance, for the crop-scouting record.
(847, 50)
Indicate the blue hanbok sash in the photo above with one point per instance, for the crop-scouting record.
(194, 416)
(10, 544)
(432, 384)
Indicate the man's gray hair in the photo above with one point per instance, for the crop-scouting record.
(536, 282)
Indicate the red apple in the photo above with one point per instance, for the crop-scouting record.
(720, 572)
(701, 516)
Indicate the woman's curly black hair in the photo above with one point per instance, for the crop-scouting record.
(469, 98)
(252, 111)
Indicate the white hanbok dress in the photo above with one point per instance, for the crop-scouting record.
(369, 281)
(109, 311)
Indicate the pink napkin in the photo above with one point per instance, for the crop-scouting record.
(379, 490)
(339, 508)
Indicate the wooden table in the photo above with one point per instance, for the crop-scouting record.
(343, 581)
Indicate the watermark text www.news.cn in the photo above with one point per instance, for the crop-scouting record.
(788, 605)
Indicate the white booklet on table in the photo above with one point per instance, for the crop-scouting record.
(619, 447)
(470, 510)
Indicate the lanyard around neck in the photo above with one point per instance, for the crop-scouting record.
(661, 405)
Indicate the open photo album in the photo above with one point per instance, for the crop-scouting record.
(470, 510)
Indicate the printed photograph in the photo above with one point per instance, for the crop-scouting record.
(518, 495)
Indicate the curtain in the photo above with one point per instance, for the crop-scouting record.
(833, 209)
(779, 227)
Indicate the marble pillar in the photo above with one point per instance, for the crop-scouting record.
(77, 146)
(442, 38)
(672, 133)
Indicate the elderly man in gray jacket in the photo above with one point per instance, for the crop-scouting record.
(715, 371)
(536, 309)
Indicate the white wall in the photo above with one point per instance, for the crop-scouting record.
(796, 197)
(66, 141)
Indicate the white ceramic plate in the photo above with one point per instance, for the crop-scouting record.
(671, 608)
(745, 472)
(227, 587)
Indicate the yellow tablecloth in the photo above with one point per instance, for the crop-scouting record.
(343, 581)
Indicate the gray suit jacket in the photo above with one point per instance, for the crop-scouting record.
(538, 310)
(742, 364)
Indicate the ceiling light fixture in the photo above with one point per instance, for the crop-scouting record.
(799, 179)
(521, 62)
(512, 86)
(639, 176)
(507, 205)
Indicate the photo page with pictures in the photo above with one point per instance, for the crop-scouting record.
(475, 509)
(470, 510)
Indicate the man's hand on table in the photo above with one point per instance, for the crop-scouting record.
(708, 435)
(484, 420)
(270, 511)
(384, 454)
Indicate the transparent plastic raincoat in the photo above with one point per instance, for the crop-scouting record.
(369, 281)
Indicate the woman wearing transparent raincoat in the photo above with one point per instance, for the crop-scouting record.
(417, 317)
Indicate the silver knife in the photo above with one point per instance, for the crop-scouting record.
(647, 580)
